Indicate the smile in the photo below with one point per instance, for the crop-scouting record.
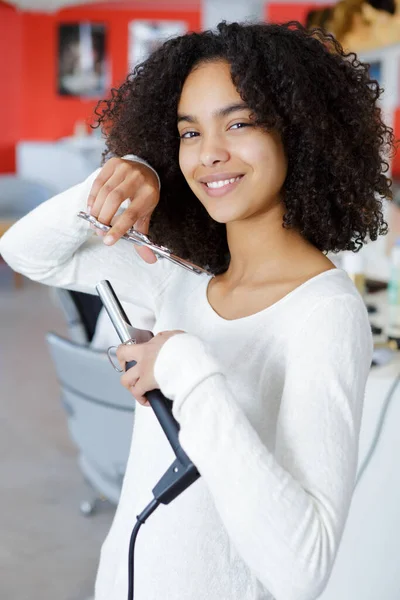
(219, 184)
(220, 188)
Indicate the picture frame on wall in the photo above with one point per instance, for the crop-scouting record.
(145, 36)
(82, 63)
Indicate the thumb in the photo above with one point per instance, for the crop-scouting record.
(142, 225)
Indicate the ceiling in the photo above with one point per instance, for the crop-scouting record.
(54, 5)
(45, 5)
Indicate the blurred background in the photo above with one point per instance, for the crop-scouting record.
(65, 421)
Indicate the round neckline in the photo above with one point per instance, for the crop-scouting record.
(272, 306)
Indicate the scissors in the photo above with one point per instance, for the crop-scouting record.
(140, 239)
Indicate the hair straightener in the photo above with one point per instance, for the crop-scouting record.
(182, 473)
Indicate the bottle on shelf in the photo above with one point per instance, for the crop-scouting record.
(393, 297)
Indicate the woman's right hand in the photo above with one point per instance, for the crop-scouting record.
(118, 180)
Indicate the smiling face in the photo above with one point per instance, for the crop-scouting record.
(235, 168)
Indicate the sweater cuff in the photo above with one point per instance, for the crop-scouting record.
(182, 364)
(135, 158)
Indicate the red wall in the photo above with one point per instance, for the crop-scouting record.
(28, 41)
(280, 12)
(10, 83)
(31, 108)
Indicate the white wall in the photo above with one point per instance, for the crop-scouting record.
(215, 11)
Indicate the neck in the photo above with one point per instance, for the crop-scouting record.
(262, 249)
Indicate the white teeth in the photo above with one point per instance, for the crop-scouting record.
(219, 184)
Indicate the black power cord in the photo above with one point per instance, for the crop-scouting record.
(179, 476)
(144, 515)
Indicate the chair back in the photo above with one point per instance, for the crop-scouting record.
(100, 412)
(80, 311)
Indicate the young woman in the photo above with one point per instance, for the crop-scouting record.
(269, 146)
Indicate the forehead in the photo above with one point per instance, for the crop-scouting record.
(208, 85)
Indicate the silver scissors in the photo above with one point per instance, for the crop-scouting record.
(140, 239)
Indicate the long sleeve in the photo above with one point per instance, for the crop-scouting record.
(284, 511)
(52, 245)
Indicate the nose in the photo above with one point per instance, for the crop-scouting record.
(213, 152)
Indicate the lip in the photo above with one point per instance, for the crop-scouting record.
(218, 177)
(222, 191)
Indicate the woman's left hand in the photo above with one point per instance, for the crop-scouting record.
(140, 378)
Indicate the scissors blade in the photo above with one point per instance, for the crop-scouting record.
(140, 239)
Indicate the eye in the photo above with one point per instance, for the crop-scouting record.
(188, 135)
(240, 125)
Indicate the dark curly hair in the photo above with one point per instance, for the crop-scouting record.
(300, 83)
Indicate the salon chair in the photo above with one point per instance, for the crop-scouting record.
(80, 312)
(100, 416)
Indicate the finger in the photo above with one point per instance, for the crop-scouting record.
(130, 377)
(123, 222)
(128, 188)
(111, 184)
(121, 226)
(138, 392)
(143, 225)
(126, 353)
(142, 400)
(137, 214)
(101, 179)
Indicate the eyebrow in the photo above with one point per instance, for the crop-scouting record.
(221, 112)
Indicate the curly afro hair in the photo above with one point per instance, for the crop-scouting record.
(300, 83)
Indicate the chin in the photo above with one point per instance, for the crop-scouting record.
(221, 209)
(219, 220)
(225, 216)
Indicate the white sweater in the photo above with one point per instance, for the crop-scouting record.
(269, 407)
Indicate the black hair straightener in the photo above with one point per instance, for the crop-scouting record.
(182, 473)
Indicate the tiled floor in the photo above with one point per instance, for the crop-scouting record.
(48, 550)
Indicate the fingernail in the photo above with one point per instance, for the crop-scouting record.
(89, 210)
(108, 240)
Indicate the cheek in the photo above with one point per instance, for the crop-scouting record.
(186, 162)
(269, 159)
